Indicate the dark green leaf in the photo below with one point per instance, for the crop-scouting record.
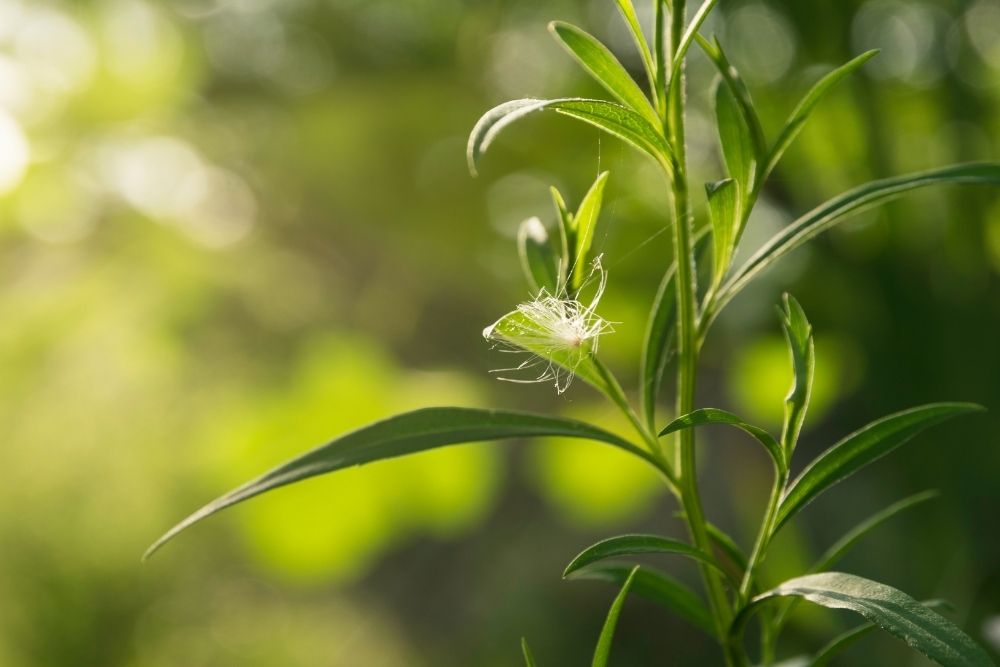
(538, 258)
(722, 210)
(800, 115)
(604, 67)
(614, 119)
(657, 587)
(892, 610)
(632, 545)
(861, 448)
(657, 346)
(706, 416)
(529, 658)
(798, 335)
(603, 649)
(584, 224)
(844, 544)
(854, 201)
(404, 434)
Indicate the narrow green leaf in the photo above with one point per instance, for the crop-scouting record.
(603, 649)
(615, 119)
(404, 434)
(890, 609)
(832, 555)
(567, 237)
(722, 210)
(735, 139)
(657, 346)
(585, 222)
(538, 258)
(801, 349)
(601, 64)
(727, 545)
(859, 199)
(706, 416)
(627, 10)
(800, 115)
(632, 545)
(861, 448)
(655, 586)
(685, 43)
(529, 658)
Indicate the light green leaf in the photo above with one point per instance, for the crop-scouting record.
(832, 555)
(861, 448)
(529, 658)
(854, 201)
(601, 64)
(627, 10)
(737, 144)
(603, 649)
(632, 545)
(584, 224)
(538, 258)
(801, 349)
(722, 210)
(800, 115)
(892, 610)
(657, 346)
(685, 43)
(404, 434)
(567, 237)
(706, 416)
(655, 586)
(615, 119)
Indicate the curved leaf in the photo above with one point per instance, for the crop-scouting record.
(584, 224)
(800, 115)
(737, 144)
(798, 335)
(722, 211)
(861, 448)
(538, 257)
(404, 434)
(854, 201)
(657, 345)
(632, 545)
(706, 416)
(603, 649)
(601, 64)
(655, 586)
(614, 119)
(632, 20)
(892, 610)
(832, 555)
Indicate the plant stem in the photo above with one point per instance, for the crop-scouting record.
(763, 536)
(687, 346)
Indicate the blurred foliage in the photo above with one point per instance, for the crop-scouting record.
(230, 229)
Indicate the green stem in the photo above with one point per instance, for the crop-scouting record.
(763, 536)
(687, 348)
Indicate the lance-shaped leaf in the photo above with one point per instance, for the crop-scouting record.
(661, 327)
(603, 649)
(538, 258)
(627, 10)
(615, 119)
(837, 209)
(736, 141)
(801, 114)
(890, 609)
(634, 545)
(682, 48)
(657, 587)
(404, 434)
(801, 349)
(836, 551)
(584, 224)
(705, 416)
(529, 658)
(861, 448)
(601, 64)
(722, 211)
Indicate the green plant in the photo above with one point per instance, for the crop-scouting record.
(560, 329)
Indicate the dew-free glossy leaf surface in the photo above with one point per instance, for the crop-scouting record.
(722, 212)
(633, 545)
(584, 224)
(404, 434)
(890, 609)
(603, 649)
(861, 448)
(801, 349)
(706, 416)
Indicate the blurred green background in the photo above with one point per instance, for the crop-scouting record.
(231, 229)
